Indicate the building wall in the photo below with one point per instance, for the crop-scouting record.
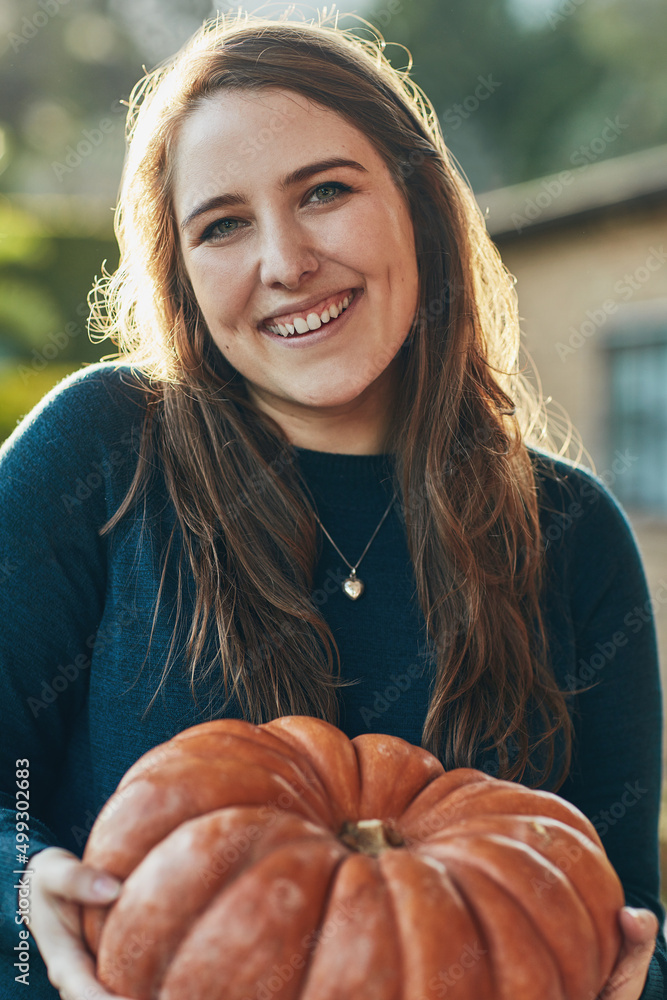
(573, 282)
(563, 276)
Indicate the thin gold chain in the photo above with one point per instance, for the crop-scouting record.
(353, 569)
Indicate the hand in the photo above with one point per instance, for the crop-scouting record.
(639, 928)
(59, 883)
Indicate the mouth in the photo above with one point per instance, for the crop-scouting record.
(318, 325)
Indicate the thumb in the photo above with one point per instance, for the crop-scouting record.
(640, 926)
(104, 887)
(63, 874)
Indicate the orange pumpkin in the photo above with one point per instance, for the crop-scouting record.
(288, 861)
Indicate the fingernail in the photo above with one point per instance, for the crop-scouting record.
(638, 917)
(106, 888)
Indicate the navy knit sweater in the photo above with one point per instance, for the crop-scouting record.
(76, 610)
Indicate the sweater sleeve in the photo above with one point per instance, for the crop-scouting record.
(616, 777)
(52, 585)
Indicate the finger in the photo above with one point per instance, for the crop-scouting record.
(640, 926)
(63, 874)
(81, 984)
(71, 968)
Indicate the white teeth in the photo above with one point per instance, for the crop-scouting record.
(313, 321)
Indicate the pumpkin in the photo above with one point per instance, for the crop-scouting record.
(288, 861)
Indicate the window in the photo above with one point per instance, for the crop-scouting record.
(636, 348)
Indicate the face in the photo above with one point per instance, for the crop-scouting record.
(275, 242)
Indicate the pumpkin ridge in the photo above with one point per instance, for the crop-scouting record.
(300, 789)
(448, 810)
(392, 772)
(284, 749)
(407, 872)
(451, 802)
(565, 829)
(400, 946)
(419, 791)
(591, 851)
(474, 917)
(268, 872)
(218, 729)
(312, 789)
(300, 734)
(189, 807)
(196, 834)
(461, 855)
(416, 812)
(450, 829)
(277, 846)
(358, 889)
(575, 818)
(223, 888)
(323, 911)
(472, 900)
(359, 775)
(485, 944)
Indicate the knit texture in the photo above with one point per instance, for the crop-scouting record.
(77, 609)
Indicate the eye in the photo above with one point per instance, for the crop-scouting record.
(334, 186)
(212, 234)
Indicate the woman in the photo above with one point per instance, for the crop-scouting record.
(318, 348)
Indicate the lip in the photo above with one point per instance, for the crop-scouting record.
(309, 306)
(325, 332)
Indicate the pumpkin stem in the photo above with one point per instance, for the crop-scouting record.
(370, 836)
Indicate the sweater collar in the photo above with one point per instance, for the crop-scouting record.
(358, 469)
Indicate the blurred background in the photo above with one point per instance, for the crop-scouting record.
(556, 111)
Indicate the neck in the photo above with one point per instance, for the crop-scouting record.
(340, 441)
(359, 427)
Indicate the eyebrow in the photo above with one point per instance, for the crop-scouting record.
(295, 177)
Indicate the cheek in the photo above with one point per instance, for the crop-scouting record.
(385, 238)
(220, 289)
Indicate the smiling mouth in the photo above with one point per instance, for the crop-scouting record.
(301, 325)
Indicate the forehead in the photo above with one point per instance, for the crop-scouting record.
(238, 136)
(238, 112)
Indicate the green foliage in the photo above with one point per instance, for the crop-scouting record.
(44, 283)
(22, 236)
(43, 299)
(21, 388)
(26, 311)
(558, 78)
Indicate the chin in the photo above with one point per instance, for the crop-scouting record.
(327, 401)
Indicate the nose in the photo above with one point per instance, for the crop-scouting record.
(286, 252)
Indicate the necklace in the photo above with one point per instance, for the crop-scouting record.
(352, 585)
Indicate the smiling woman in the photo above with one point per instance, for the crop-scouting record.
(293, 263)
(318, 347)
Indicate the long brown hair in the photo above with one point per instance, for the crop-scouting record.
(463, 418)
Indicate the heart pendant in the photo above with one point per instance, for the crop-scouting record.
(353, 587)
